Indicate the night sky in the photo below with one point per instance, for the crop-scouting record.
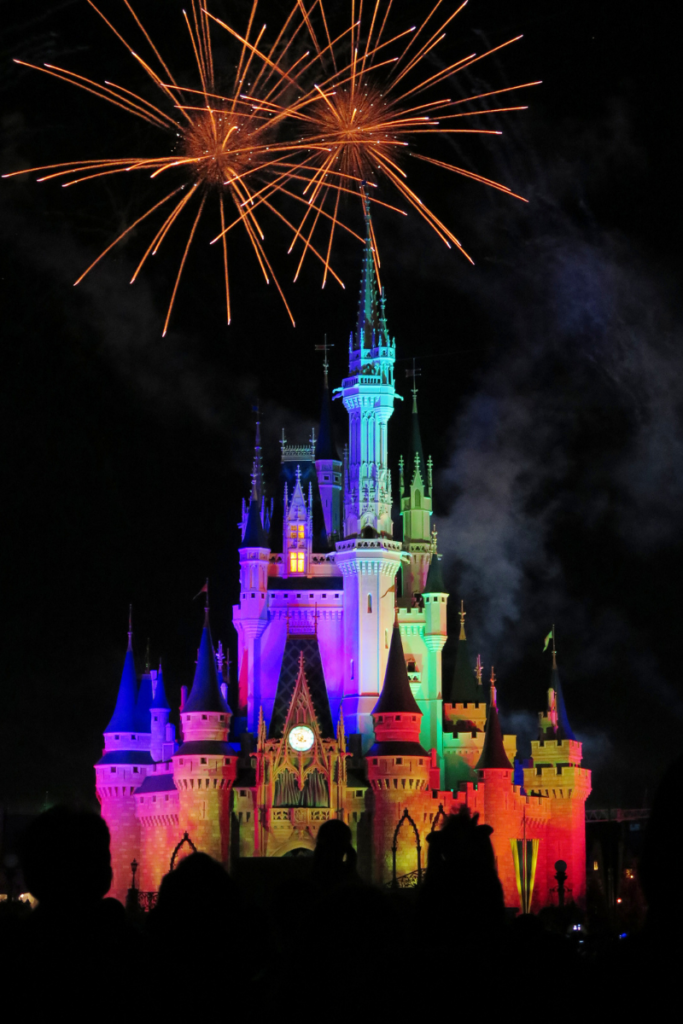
(550, 388)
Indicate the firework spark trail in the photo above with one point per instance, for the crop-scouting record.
(372, 104)
(228, 145)
(311, 128)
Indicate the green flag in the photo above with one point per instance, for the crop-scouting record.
(547, 640)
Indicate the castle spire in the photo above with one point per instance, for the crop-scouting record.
(124, 718)
(160, 700)
(416, 459)
(257, 491)
(368, 321)
(325, 447)
(493, 752)
(465, 687)
(564, 729)
(206, 693)
(396, 695)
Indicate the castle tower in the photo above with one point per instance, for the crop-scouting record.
(205, 765)
(368, 557)
(119, 772)
(297, 540)
(415, 487)
(557, 775)
(251, 615)
(397, 767)
(464, 715)
(328, 465)
(435, 635)
(503, 808)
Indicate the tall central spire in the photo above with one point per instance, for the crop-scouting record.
(257, 465)
(369, 312)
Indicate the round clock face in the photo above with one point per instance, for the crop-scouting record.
(301, 737)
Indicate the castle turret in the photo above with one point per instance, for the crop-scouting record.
(163, 733)
(416, 509)
(556, 774)
(119, 772)
(397, 766)
(328, 465)
(501, 810)
(435, 635)
(205, 765)
(251, 615)
(368, 557)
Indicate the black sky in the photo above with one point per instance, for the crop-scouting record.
(550, 390)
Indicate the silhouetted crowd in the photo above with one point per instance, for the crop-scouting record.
(325, 942)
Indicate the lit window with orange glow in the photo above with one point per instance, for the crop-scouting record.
(296, 531)
(296, 561)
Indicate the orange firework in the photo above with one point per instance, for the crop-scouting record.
(375, 101)
(222, 145)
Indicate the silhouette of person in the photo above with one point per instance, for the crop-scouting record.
(66, 863)
(334, 858)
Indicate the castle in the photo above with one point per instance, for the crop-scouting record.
(341, 707)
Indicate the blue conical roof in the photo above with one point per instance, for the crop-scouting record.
(143, 721)
(254, 535)
(206, 692)
(160, 700)
(124, 717)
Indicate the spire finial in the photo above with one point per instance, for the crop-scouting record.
(325, 347)
(148, 663)
(463, 613)
(433, 540)
(494, 691)
(206, 602)
(257, 464)
(414, 374)
(554, 649)
(479, 670)
(130, 627)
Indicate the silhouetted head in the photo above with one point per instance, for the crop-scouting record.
(198, 892)
(333, 844)
(65, 856)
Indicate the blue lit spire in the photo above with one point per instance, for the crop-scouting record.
(206, 692)
(160, 700)
(124, 717)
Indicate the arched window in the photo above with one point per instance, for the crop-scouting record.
(418, 499)
(369, 603)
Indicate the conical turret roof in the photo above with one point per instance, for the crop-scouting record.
(396, 695)
(435, 584)
(416, 459)
(464, 687)
(254, 534)
(206, 693)
(564, 729)
(124, 718)
(493, 752)
(160, 700)
(143, 721)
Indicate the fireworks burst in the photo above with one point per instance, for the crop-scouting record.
(222, 145)
(376, 102)
(293, 125)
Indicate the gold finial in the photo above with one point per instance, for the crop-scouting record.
(493, 691)
(493, 676)
(478, 670)
(433, 540)
(463, 613)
